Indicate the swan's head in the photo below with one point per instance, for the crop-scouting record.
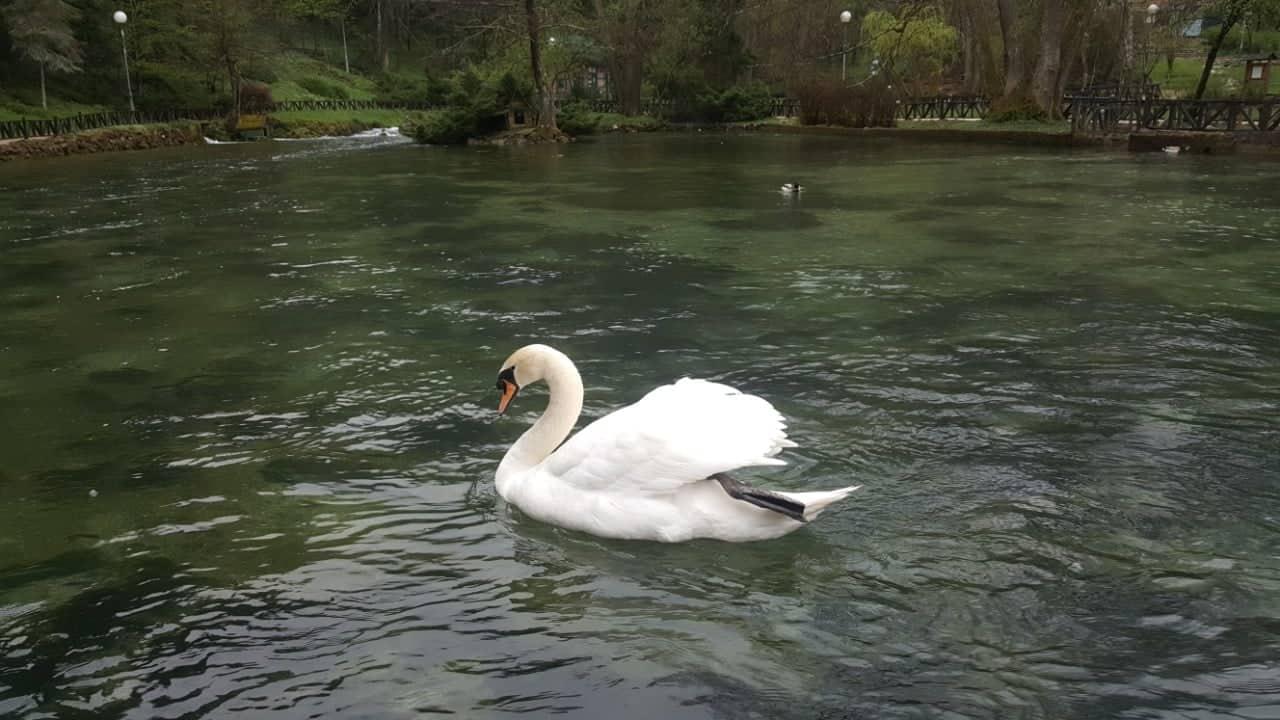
(525, 367)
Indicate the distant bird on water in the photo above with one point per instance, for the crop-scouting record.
(791, 188)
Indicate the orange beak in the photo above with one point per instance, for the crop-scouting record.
(509, 390)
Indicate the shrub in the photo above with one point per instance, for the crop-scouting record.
(323, 88)
(575, 119)
(826, 101)
(260, 71)
(255, 99)
(447, 127)
(163, 87)
(394, 87)
(1016, 109)
(744, 102)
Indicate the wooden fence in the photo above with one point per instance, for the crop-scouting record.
(944, 107)
(1094, 115)
(295, 105)
(1117, 109)
(781, 107)
(11, 129)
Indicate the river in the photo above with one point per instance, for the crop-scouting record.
(248, 430)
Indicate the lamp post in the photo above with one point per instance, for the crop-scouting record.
(1152, 10)
(121, 19)
(845, 17)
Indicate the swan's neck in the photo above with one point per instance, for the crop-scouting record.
(564, 385)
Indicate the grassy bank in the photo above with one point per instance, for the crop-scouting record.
(21, 108)
(1022, 126)
(294, 76)
(320, 123)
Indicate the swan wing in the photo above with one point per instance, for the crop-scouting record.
(677, 434)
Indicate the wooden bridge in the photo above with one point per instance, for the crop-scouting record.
(1093, 115)
(944, 107)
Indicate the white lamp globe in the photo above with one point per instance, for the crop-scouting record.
(120, 17)
(846, 16)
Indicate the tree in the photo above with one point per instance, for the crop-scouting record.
(629, 29)
(325, 11)
(225, 25)
(546, 95)
(40, 30)
(916, 49)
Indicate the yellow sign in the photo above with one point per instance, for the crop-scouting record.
(251, 122)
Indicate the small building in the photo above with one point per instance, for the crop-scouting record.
(517, 115)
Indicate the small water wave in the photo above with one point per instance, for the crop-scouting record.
(372, 134)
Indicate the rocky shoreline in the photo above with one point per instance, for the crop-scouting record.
(132, 137)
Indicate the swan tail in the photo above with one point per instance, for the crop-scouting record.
(767, 499)
(799, 506)
(815, 502)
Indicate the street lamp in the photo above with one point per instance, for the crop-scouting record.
(845, 17)
(1147, 62)
(121, 19)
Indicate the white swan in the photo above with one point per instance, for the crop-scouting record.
(654, 470)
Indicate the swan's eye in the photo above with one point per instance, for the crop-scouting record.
(508, 375)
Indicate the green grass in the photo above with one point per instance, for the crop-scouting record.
(1061, 126)
(292, 70)
(1227, 77)
(12, 108)
(606, 121)
(383, 118)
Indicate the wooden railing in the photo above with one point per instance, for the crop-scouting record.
(780, 107)
(294, 105)
(1111, 115)
(1122, 111)
(944, 107)
(11, 129)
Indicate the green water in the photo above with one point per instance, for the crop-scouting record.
(247, 430)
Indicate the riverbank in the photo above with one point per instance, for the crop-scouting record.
(318, 124)
(127, 137)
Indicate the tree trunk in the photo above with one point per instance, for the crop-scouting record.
(1015, 57)
(968, 53)
(629, 85)
(44, 98)
(233, 77)
(1212, 57)
(1044, 85)
(546, 99)
(346, 59)
(1127, 61)
(1086, 76)
(381, 43)
(1071, 55)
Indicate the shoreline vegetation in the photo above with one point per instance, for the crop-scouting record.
(328, 124)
